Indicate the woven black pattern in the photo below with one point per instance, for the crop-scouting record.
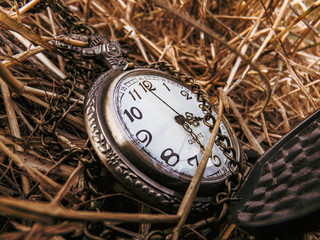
(285, 184)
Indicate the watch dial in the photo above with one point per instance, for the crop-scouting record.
(163, 119)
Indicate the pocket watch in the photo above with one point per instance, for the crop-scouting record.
(150, 129)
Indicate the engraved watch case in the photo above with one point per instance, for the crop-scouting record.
(133, 166)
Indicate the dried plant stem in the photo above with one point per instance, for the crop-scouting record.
(22, 117)
(25, 8)
(299, 89)
(70, 41)
(144, 227)
(265, 129)
(163, 4)
(44, 93)
(228, 232)
(312, 72)
(86, 10)
(66, 187)
(304, 20)
(266, 41)
(194, 185)
(37, 176)
(152, 45)
(296, 78)
(43, 165)
(132, 234)
(36, 100)
(313, 7)
(272, 30)
(236, 17)
(54, 33)
(251, 32)
(244, 127)
(12, 119)
(9, 23)
(11, 81)
(243, 51)
(134, 35)
(46, 213)
(70, 118)
(23, 56)
(35, 232)
(40, 56)
(282, 111)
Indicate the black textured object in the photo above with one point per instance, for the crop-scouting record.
(282, 192)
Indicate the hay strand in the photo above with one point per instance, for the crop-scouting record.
(263, 54)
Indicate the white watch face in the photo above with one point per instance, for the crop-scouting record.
(163, 119)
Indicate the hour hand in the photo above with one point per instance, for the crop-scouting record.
(181, 120)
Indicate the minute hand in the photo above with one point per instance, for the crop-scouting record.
(148, 85)
(180, 119)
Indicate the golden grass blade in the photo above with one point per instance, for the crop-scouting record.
(23, 56)
(296, 78)
(66, 187)
(163, 4)
(313, 7)
(11, 81)
(304, 20)
(10, 24)
(194, 185)
(47, 213)
(6, 75)
(203, 40)
(25, 8)
(252, 140)
(37, 176)
(44, 165)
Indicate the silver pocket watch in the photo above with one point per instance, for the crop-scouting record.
(150, 126)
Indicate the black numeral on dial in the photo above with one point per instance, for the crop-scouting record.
(144, 136)
(148, 85)
(134, 94)
(133, 113)
(166, 87)
(141, 85)
(185, 94)
(195, 158)
(216, 161)
(170, 157)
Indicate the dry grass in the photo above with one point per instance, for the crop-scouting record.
(264, 54)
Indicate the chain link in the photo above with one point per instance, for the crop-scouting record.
(49, 138)
(233, 182)
(69, 19)
(59, 108)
